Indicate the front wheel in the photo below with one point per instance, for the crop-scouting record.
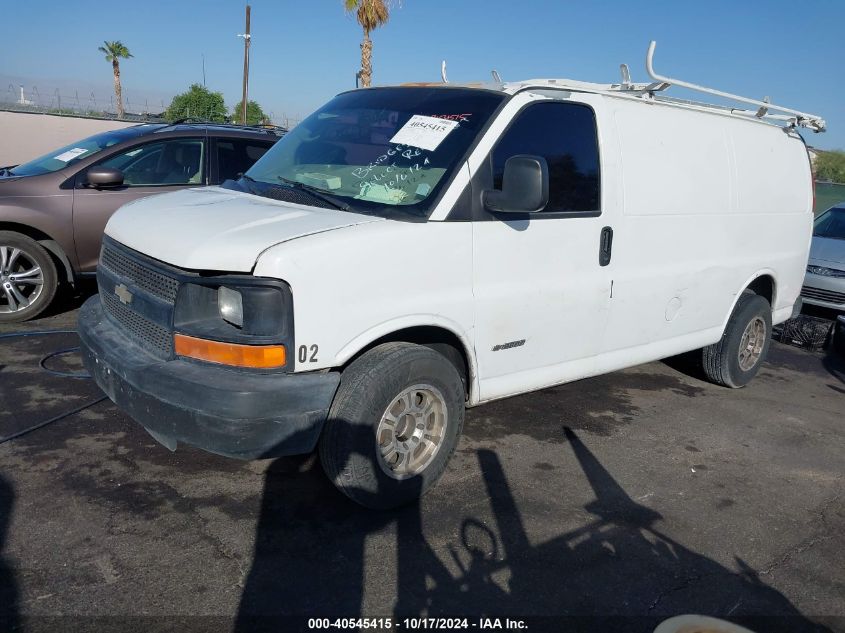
(28, 278)
(394, 424)
(737, 357)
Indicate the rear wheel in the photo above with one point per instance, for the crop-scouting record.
(394, 424)
(737, 357)
(28, 278)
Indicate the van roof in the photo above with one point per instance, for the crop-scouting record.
(765, 110)
(648, 92)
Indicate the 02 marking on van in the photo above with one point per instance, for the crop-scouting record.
(303, 353)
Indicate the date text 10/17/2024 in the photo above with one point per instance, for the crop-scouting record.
(416, 624)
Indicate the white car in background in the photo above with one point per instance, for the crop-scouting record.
(824, 284)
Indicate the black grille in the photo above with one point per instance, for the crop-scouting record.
(141, 329)
(154, 282)
(823, 295)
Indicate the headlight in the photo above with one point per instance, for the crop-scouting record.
(231, 306)
(241, 321)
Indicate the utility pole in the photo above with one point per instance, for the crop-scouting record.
(203, 70)
(246, 37)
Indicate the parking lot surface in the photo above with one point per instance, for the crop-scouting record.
(641, 494)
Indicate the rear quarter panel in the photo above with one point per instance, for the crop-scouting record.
(710, 203)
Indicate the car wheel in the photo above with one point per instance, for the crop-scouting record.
(393, 425)
(737, 357)
(28, 278)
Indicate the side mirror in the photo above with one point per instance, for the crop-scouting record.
(525, 187)
(104, 177)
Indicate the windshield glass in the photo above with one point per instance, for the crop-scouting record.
(75, 152)
(385, 151)
(831, 224)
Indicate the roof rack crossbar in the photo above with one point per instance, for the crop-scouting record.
(804, 119)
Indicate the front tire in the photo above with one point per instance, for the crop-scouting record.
(28, 278)
(737, 357)
(393, 425)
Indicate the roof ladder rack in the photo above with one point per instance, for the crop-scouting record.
(803, 119)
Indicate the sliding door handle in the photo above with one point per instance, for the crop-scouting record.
(605, 246)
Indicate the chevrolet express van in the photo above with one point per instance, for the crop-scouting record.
(406, 252)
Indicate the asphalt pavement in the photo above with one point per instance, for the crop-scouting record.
(633, 497)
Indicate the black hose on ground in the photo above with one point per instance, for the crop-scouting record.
(62, 374)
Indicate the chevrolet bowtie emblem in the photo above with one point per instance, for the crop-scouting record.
(123, 294)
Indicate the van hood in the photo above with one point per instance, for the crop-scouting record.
(212, 228)
(826, 250)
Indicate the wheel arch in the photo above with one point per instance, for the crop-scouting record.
(443, 337)
(761, 283)
(45, 240)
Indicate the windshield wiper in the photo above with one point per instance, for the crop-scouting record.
(317, 193)
(249, 186)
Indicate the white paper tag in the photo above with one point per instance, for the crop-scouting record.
(425, 132)
(71, 154)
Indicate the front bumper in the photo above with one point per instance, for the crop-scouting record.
(222, 410)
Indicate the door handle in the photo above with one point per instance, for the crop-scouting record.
(605, 246)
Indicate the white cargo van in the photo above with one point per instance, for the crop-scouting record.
(408, 251)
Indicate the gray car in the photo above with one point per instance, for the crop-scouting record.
(824, 284)
(53, 209)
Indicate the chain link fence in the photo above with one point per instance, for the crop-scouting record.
(17, 99)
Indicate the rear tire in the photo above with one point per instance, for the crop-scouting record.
(393, 425)
(28, 278)
(737, 357)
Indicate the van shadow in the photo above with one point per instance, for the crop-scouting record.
(617, 572)
(9, 597)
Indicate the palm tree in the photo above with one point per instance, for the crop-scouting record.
(370, 14)
(114, 51)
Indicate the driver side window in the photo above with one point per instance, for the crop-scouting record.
(169, 162)
(565, 135)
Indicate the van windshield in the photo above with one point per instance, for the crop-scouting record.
(75, 152)
(386, 151)
(831, 224)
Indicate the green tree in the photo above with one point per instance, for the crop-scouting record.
(370, 14)
(830, 166)
(197, 102)
(254, 114)
(114, 52)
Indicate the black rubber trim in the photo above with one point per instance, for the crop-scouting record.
(215, 408)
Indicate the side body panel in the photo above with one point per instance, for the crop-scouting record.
(537, 281)
(710, 203)
(40, 203)
(355, 285)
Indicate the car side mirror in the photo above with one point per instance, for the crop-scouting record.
(104, 177)
(525, 187)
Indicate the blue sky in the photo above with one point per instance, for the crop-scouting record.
(304, 52)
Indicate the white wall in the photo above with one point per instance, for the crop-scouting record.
(24, 136)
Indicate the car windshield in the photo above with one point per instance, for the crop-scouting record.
(75, 152)
(831, 224)
(386, 151)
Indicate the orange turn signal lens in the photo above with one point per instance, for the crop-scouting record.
(256, 356)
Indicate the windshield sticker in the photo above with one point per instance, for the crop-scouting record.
(454, 117)
(425, 132)
(71, 154)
